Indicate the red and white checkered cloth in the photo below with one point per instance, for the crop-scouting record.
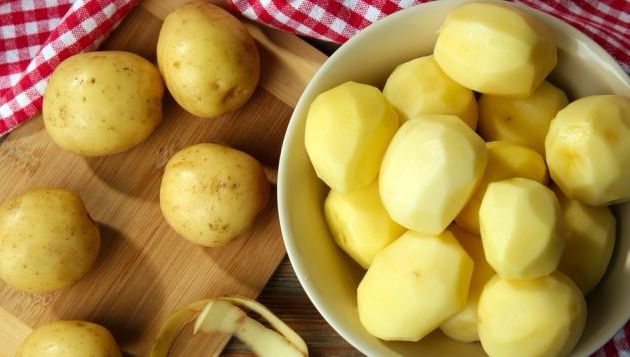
(36, 35)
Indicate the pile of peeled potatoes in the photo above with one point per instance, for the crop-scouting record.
(103, 103)
(471, 190)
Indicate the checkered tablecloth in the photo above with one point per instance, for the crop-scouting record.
(36, 35)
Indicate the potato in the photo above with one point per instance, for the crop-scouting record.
(495, 48)
(47, 240)
(531, 318)
(359, 223)
(588, 149)
(69, 338)
(209, 61)
(431, 168)
(463, 325)
(421, 87)
(521, 228)
(102, 103)
(505, 160)
(211, 193)
(347, 132)
(522, 121)
(413, 286)
(590, 239)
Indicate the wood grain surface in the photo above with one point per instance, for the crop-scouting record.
(145, 270)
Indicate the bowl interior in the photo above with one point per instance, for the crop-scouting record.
(330, 277)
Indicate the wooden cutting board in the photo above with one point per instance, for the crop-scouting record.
(145, 270)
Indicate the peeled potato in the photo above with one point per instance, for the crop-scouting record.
(590, 239)
(531, 318)
(463, 325)
(69, 338)
(347, 132)
(102, 103)
(47, 240)
(359, 223)
(430, 170)
(521, 228)
(495, 48)
(522, 121)
(505, 160)
(413, 286)
(209, 61)
(211, 193)
(588, 149)
(421, 87)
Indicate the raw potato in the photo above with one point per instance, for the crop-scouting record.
(463, 325)
(347, 132)
(47, 240)
(421, 87)
(590, 239)
(359, 223)
(505, 160)
(522, 121)
(413, 286)
(431, 168)
(209, 61)
(102, 103)
(69, 338)
(588, 149)
(211, 193)
(495, 48)
(521, 228)
(531, 318)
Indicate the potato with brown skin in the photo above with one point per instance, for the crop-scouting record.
(102, 103)
(69, 338)
(211, 193)
(209, 61)
(47, 240)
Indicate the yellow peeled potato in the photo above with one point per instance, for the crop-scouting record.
(505, 160)
(522, 121)
(347, 132)
(590, 239)
(463, 325)
(413, 286)
(588, 149)
(495, 48)
(69, 338)
(531, 318)
(209, 61)
(102, 103)
(211, 193)
(431, 168)
(359, 223)
(47, 240)
(421, 87)
(521, 228)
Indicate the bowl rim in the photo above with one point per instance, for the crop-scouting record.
(282, 194)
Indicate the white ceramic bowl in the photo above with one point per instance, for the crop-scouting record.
(329, 277)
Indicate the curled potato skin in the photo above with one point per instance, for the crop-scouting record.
(209, 61)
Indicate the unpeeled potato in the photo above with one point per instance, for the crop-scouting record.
(421, 87)
(211, 193)
(69, 339)
(495, 48)
(209, 61)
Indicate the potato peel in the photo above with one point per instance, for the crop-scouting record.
(224, 315)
